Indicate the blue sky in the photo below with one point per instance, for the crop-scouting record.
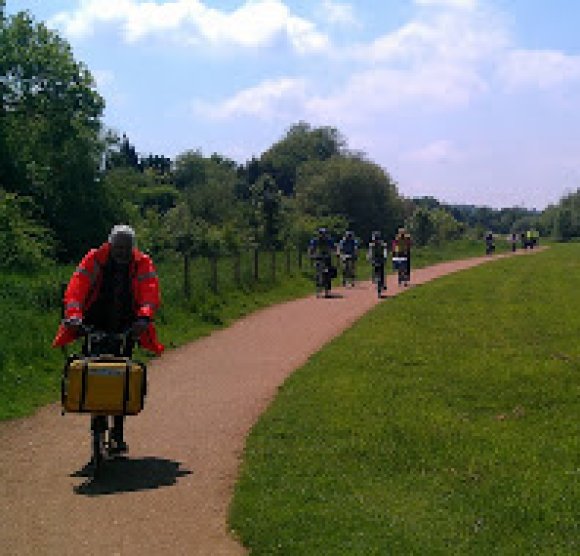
(470, 101)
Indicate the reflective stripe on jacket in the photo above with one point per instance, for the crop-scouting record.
(85, 283)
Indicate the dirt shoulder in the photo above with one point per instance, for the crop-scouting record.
(172, 494)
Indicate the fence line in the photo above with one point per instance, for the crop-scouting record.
(240, 269)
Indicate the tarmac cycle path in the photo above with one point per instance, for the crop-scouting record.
(172, 492)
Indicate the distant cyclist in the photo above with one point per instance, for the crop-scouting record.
(347, 250)
(377, 255)
(320, 251)
(402, 249)
(513, 239)
(489, 244)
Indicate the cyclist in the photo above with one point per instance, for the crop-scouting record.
(377, 255)
(513, 239)
(347, 250)
(114, 288)
(402, 248)
(489, 245)
(320, 250)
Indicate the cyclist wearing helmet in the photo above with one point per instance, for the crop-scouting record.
(377, 255)
(320, 250)
(321, 246)
(347, 250)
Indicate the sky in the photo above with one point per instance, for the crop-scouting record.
(468, 101)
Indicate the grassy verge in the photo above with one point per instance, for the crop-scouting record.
(444, 422)
(30, 310)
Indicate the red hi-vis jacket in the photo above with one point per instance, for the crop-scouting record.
(85, 284)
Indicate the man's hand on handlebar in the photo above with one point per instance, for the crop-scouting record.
(139, 326)
(75, 324)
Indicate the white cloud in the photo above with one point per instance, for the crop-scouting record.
(444, 35)
(439, 151)
(538, 68)
(376, 91)
(270, 99)
(339, 13)
(461, 4)
(255, 23)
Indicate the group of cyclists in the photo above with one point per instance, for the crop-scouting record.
(322, 247)
(529, 239)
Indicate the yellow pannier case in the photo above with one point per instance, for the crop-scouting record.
(107, 385)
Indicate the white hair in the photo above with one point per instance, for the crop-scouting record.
(122, 230)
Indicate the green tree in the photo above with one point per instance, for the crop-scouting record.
(25, 244)
(422, 226)
(50, 122)
(266, 217)
(302, 143)
(353, 188)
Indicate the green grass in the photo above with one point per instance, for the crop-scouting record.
(444, 422)
(30, 369)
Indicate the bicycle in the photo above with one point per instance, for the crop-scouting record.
(104, 382)
(348, 273)
(378, 277)
(323, 276)
(400, 264)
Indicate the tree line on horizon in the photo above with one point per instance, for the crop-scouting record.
(65, 178)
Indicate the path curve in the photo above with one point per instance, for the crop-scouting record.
(172, 494)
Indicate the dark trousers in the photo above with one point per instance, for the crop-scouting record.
(99, 422)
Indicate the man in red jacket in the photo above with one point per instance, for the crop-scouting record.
(114, 288)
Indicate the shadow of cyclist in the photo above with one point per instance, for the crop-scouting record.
(131, 475)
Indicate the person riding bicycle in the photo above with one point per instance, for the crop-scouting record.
(377, 255)
(401, 247)
(321, 247)
(347, 250)
(115, 288)
(489, 245)
(320, 250)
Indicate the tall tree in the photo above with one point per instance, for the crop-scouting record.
(301, 144)
(351, 187)
(51, 122)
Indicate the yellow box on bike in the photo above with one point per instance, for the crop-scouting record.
(111, 385)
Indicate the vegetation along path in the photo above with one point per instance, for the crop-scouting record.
(172, 494)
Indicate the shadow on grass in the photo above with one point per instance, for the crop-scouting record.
(130, 475)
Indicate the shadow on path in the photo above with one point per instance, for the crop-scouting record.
(130, 475)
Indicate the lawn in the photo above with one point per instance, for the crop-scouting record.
(444, 422)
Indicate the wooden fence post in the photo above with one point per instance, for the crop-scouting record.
(238, 268)
(214, 273)
(273, 264)
(186, 280)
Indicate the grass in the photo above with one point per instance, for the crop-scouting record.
(444, 422)
(30, 369)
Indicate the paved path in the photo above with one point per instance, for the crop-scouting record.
(172, 494)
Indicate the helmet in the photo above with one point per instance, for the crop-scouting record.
(349, 234)
(321, 231)
(376, 235)
(402, 231)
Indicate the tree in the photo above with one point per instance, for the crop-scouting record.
(266, 204)
(357, 190)
(25, 244)
(421, 226)
(50, 149)
(301, 144)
